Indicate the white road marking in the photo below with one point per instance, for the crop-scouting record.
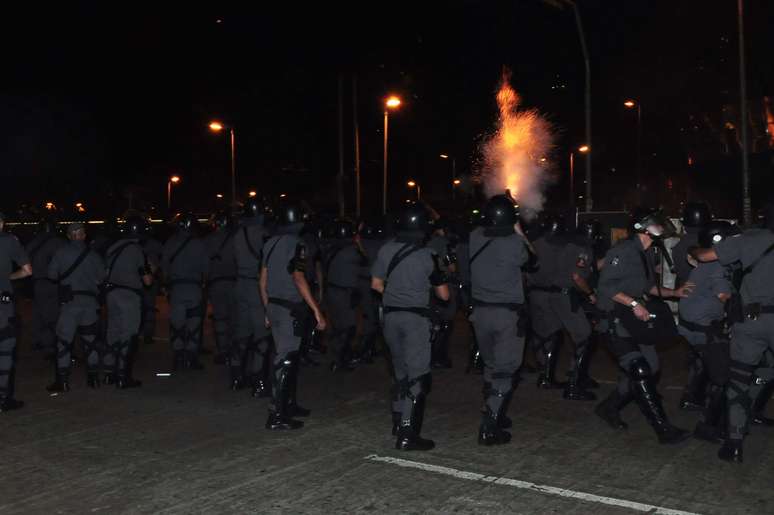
(525, 485)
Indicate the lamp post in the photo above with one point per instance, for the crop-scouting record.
(631, 104)
(392, 102)
(455, 181)
(582, 149)
(217, 127)
(172, 180)
(415, 184)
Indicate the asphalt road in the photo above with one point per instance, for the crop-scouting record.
(185, 444)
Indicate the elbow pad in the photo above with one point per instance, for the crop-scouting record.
(298, 263)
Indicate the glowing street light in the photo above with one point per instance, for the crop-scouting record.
(456, 182)
(79, 207)
(631, 104)
(453, 171)
(415, 184)
(253, 193)
(172, 180)
(216, 126)
(391, 102)
(219, 195)
(582, 149)
(50, 206)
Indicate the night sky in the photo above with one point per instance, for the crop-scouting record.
(102, 106)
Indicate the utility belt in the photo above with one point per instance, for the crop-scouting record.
(576, 300)
(714, 328)
(67, 294)
(108, 287)
(229, 278)
(754, 310)
(339, 287)
(423, 312)
(355, 295)
(510, 306)
(298, 311)
(247, 277)
(6, 297)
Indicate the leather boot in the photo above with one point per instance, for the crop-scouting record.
(8, 403)
(490, 432)
(279, 418)
(395, 422)
(294, 409)
(649, 403)
(732, 451)
(585, 381)
(609, 410)
(694, 396)
(60, 385)
(92, 379)
(711, 428)
(192, 361)
(574, 391)
(546, 379)
(178, 362)
(758, 410)
(408, 438)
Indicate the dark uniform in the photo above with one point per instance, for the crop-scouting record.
(221, 292)
(408, 271)
(695, 217)
(184, 262)
(342, 262)
(314, 276)
(443, 312)
(629, 270)
(250, 331)
(284, 259)
(371, 240)
(11, 252)
(126, 266)
(45, 305)
(153, 250)
(497, 255)
(79, 273)
(753, 336)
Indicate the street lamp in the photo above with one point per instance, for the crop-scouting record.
(453, 172)
(631, 104)
(253, 193)
(415, 184)
(172, 180)
(582, 149)
(219, 195)
(391, 102)
(216, 126)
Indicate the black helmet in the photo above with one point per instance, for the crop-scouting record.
(500, 211)
(590, 230)
(649, 221)
(221, 220)
(254, 207)
(553, 225)
(414, 218)
(696, 214)
(47, 225)
(185, 221)
(715, 232)
(343, 229)
(135, 226)
(292, 212)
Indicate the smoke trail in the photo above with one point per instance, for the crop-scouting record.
(514, 157)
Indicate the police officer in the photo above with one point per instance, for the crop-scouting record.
(371, 237)
(153, 250)
(443, 312)
(546, 327)
(286, 295)
(250, 331)
(702, 324)
(342, 262)
(45, 307)
(590, 233)
(221, 280)
(752, 333)
(626, 283)
(11, 254)
(128, 271)
(498, 250)
(184, 262)
(696, 215)
(79, 272)
(404, 273)
(310, 341)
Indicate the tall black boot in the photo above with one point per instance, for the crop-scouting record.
(694, 396)
(574, 391)
(408, 438)
(8, 402)
(61, 384)
(649, 402)
(125, 377)
(192, 361)
(490, 432)
(732, 451)
(92, 378)
(440, 350)
(367, 348)
(609, 410)
(294, 409)
(758, 410)
(237, 356)
(279, 418)
(342, 361)
(546, 379)
(262, 383)
(711, 429)
(178, 362)
(585, 381)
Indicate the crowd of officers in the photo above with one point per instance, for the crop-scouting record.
(276, 282)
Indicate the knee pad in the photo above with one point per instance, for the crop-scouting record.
(639, 370)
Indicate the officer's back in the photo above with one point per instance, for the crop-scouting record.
(41, 250)
(248, 243)
(407, 285)
(496, 270)
(85, 279)
(220, 246)
(126, 263)
(184, 257)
